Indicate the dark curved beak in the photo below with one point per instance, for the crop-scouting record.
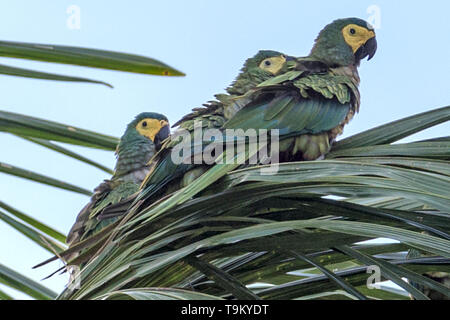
(368, 49)
(162, 135)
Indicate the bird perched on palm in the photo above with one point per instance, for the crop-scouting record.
(141, 140)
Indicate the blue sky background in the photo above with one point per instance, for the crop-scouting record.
(208, 40)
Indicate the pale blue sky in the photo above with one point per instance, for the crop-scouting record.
(208, 40)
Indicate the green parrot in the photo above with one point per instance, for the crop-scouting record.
(142, 139)
(308, 99)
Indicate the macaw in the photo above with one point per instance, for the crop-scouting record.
(143, 137)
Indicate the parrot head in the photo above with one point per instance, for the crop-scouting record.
(259, 68)
(149, 125)
(345, 42)
(142, 138)
(152, 126)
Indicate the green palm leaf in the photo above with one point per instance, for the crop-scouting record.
(48, 130)
(279, 229)
(36, 236)
(43, 228)
(26, 73)
(12, 279)
(156, 294)
(86, 57)
(57, 148)
(394, 131)
(22, 173)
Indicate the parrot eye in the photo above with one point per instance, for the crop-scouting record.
(352, 31)
(273, 64)
(144, 124)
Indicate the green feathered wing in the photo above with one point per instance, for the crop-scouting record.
(300, 103)
(107, 194)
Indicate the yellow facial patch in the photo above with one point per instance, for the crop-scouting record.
(150, 127)
(356, 36)
(273, 64)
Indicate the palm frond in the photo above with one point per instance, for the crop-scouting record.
(92, 58)
(22, 173)
(284, 230)
(396, 130)
(52, 146)
(14, 280)
(45, 133)
(52, 131)
(156, 294)
(27, 73)
(38, 225)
